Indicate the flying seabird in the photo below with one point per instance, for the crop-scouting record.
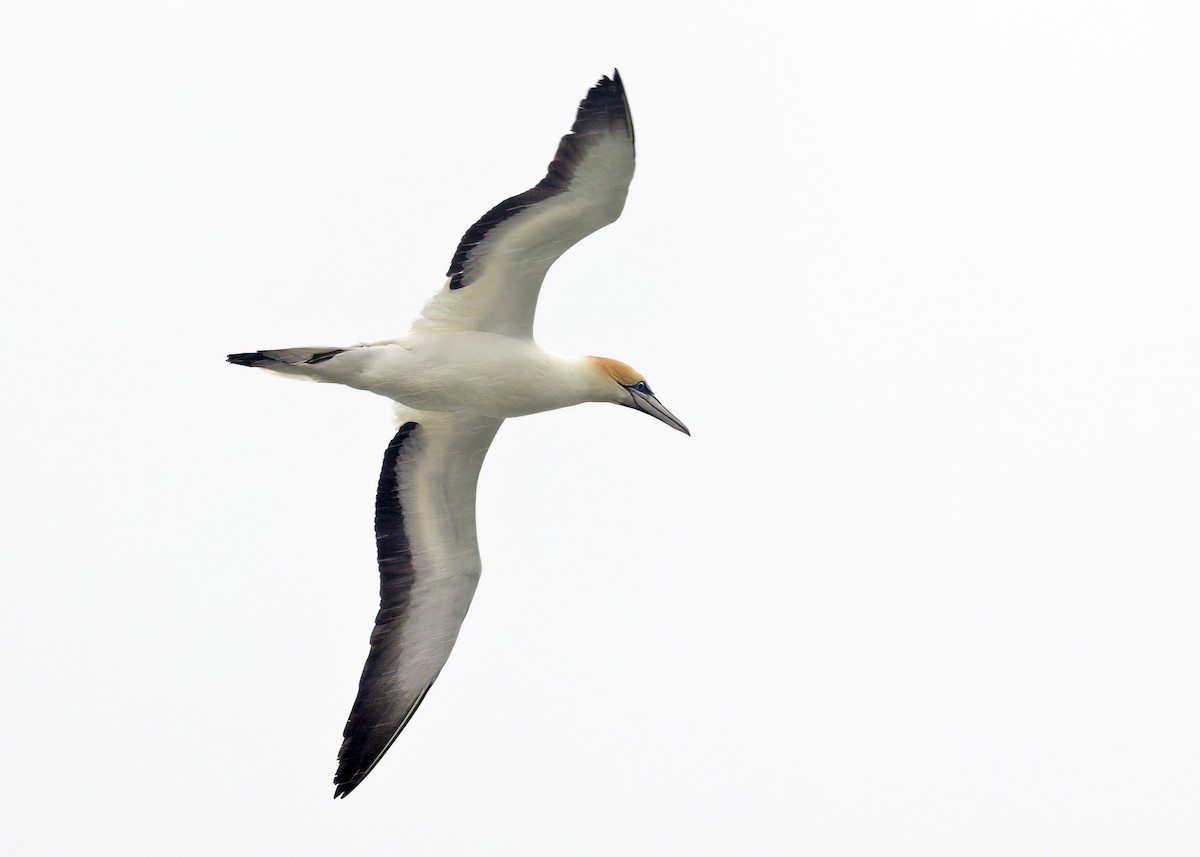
(468, 363)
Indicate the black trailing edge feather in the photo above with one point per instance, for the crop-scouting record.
(373, 724)
(603, 111)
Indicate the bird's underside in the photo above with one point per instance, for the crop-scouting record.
(425, 502)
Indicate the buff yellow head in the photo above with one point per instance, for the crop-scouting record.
(626, 386)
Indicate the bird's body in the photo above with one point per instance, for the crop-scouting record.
(454, 371)
(468, 363)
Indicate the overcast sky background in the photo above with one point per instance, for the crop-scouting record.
(922, 278)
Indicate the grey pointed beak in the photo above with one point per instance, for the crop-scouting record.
(651, 405)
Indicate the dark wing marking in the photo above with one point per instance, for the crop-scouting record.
(428, 568)
(498, 268)
(377, 717)
(604, 111)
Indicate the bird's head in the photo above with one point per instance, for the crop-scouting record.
(623, 385)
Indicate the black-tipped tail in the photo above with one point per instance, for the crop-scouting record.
(285, 357)
(254, 358)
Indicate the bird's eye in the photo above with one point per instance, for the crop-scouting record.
(642, 387)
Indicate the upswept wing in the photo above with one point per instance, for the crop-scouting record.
(497, 271)
(428, 567)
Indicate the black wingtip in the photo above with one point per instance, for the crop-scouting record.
(253, 358)
(605, 108)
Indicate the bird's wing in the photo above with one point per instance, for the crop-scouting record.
(497, 271)
(428, 568)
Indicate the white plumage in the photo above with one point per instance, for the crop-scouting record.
(468, 363)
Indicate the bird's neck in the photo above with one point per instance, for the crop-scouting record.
(578, 379)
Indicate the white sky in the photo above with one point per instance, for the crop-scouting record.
(921, 278)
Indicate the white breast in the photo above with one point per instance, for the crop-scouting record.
(467, 371)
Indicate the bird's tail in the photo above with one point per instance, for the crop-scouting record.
(288, 361)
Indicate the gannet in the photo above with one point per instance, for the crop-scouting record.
(468, 363)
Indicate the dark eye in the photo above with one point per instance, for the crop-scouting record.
(643, 387)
